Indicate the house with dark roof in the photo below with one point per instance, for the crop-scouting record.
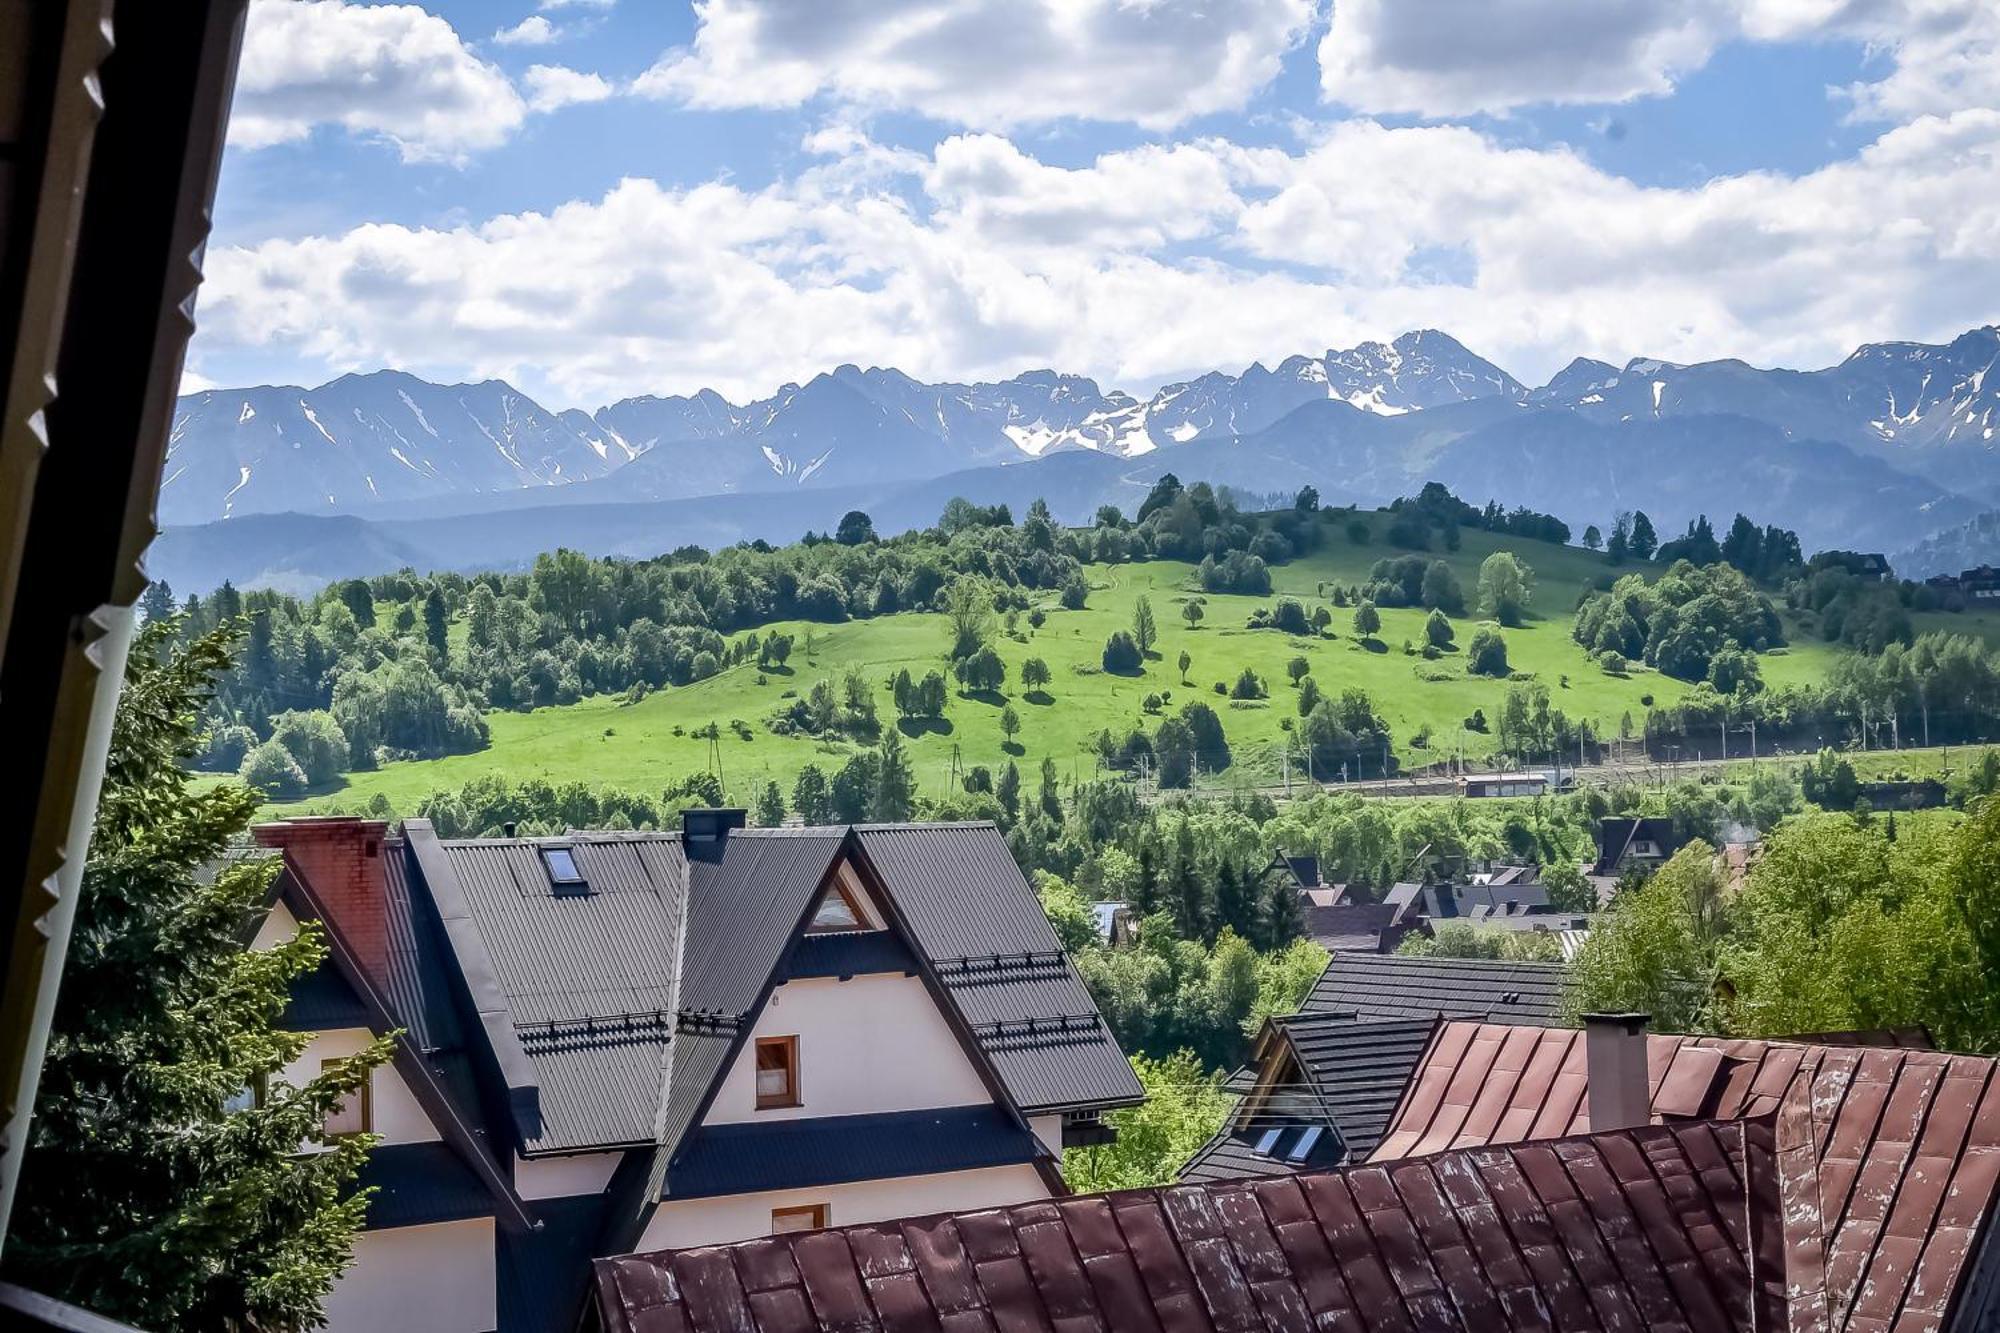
(1623, 843)
(1559, 1180)
(1320, 1084)
(618, 1041)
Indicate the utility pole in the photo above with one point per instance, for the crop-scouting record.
(1285, 765)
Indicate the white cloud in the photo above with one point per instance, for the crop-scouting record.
(1443, 58)
(388, 71)
(533, 30)
(553, 86)
(986, 63)
(979, 260)
(577, 4)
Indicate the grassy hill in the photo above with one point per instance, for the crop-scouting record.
(646, 745)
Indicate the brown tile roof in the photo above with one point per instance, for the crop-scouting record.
(1889, 1158)
(1652, 1229)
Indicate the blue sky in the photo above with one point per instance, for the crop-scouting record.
(654, 197)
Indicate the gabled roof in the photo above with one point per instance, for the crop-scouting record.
(1322, 1070)
(1354, 927)
(1381, 986)
(1889, 1159)
(1657, 1228)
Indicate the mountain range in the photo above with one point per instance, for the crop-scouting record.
(1892, 446)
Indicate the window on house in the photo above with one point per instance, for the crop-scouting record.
(355, 1114)
(777, 1072)
(1303, 1148)
(250, 1095)
(806, 1217)
(560, 862)
(1267, 1141)
(837, 911)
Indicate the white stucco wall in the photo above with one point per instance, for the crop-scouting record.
(676, 1225)
(1048, 1128)
(560, 1177)
(279, 926)
(869, 1044)
(427, 1279)
(398, 1117)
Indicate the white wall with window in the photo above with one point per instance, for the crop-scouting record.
(677, 1224)
(869, 1044)
(386, 1106)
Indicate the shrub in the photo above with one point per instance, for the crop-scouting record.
(1488, 654)
(1121, 653)
(1438, 631)
(1248, 686)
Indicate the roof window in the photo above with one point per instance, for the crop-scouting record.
(560, 863)
(1303, 1148)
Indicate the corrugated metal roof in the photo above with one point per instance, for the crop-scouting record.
(1645, 1229)
(588, 977)
(828, 1150)
(1375, 986)
(986, 936)
(1889, 1158)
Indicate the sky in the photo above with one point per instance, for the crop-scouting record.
(594, 199)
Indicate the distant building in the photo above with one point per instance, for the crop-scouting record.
(1624, 843)
(1503, 784)
(1981, 584)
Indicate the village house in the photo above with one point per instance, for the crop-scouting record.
(609, 1042)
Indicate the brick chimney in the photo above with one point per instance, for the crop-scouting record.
(1615, 1066)
(339, 858)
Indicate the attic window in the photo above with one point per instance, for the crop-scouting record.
(837, 911)
(560, 862)
(1303, 1148)
(1267, 1143)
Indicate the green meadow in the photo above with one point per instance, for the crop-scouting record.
(606, 741)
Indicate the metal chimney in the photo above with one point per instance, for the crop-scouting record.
(1615, 1064)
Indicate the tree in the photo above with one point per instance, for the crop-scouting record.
(437, 624)
(1592, 539)
(1297, 669)
(1191, 611)
(1308, 696)
(1643, 542)
(1010, 723)
(1440, 590)
(812, 797)
(1487, 655)
(770, 806)
(1437, 630)
(774, 649)
(1144, 631)
(148, 1191)
(855, 529)
(853, 789)
(1247, 686)
(1035, 674)
(1307, 500)
(157, 602)
(1008, 790)
(1121, 654)
(1186, 661)
(895, 795)
(1655, 950)
(1367, 620)
(1569, 890)
(1506, 585)
(968, 606)
(1185, 1105)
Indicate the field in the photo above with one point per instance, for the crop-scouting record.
(647, 745)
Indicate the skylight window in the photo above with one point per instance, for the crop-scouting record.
(1268, 1141)
(560, 862)
(1304, 1146)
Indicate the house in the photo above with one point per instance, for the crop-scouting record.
(1981, 583)
(1483, 900)
(610, 1041)
(1724, 1185)
(1503, 784)
(1623, 843)
(1353, 927)
(1319, 1091)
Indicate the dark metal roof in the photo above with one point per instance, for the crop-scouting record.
(585, 980)
(543, 1274)
(987, 939)
(323, 1001)
(1378, 986)
(1354, 926)
(850, 954)
(1648, 1228)
(415, 1183)
(1345, 1077)
(828, 1150)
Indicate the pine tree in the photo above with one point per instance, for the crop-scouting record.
(771, 806)
(812, 797)
(436, 624)
(147, 1192)
(895, 781)
(1144, 629)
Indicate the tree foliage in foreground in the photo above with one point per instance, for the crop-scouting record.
(1184, 1106)
(147, 1193)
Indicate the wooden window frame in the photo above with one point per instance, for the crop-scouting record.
(861, 921)
(366, 1093)
(819, 1214)
(791, 1096)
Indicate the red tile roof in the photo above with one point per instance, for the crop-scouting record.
(1656, 1229)
(1888, 1158)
